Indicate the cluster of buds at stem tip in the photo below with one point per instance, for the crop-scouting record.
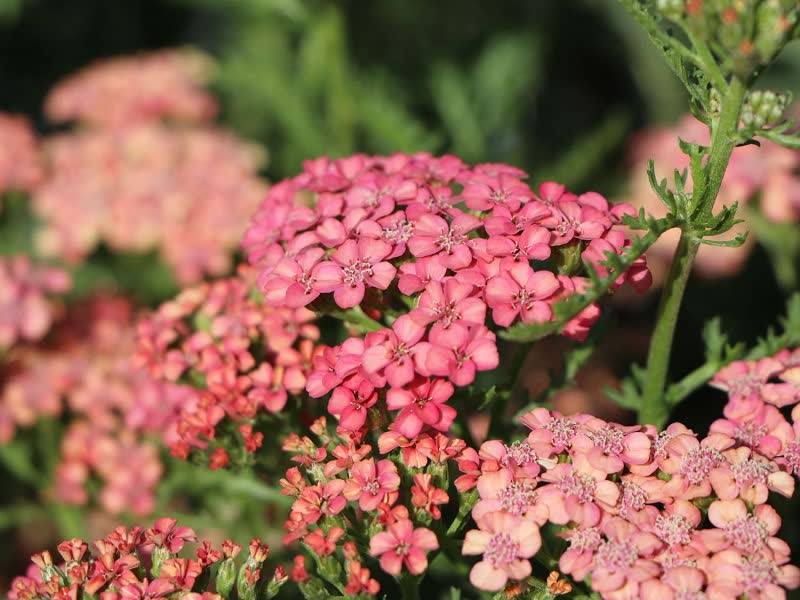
(745, 35)
(764, 108)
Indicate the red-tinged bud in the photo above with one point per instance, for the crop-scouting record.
(226, 576)
(279, 578)
(299, 573)
(43, 560)
(350, 550)
(219, 459)
(73, 550)
(694, 7)
(230, 549)
(258, 551)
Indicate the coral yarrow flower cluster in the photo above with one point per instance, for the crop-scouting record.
(146, 564)
(118, 415)
(241, 358)
(433, 247)
(26, 311)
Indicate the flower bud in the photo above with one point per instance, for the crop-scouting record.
(226, 576)
(275, 584)
(763, 108)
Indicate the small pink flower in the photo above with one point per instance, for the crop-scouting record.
(416, 275)
(370, 483)
(421, 403)
(482, 192)
(427, 497)
(521, 291)
(448, 304)
(318, 500)
(434, 236)
(460, 356)
(291, 282)
(748, 380)
(355, 265)
(351, 401)
(732, 574)
(506, 544)
(750, 477)
(400, 545)
(578, 492)
(166, 534)
(610, 447)
(623, 558)
(736, 528)
(391, 351)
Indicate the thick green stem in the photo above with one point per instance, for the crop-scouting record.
(723, 140)
(654, 403)
(655, 407)
(409, 586)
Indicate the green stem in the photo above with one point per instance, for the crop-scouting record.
(409, 586)
(655, 408)
(468, 500)
(723, 140)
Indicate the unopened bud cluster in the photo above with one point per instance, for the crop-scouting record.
(764, 108)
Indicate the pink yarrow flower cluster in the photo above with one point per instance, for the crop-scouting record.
(458, 245)
(121, 91)
(185, 192)
(26, 314)
(241, 358)
(147, 564)
(117, 413)
(631, 501)
(20, 162)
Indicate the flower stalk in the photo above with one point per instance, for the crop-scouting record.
(655, 407)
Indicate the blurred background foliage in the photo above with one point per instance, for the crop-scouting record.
(555, 87)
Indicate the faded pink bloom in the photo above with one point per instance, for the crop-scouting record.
(25, 313)
(20, 164)
(505, 543)
(401, 545)
(125, 90)
(623, 559)
(609, 447)
(737, 528)
(578, 492)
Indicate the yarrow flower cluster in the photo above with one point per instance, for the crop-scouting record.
(25, 310)
(146, 564)
(769, 172)
(118, 413)
(433, 247)
(241, 359)
(119, 92)
(20, 164)
(648, 514)
(185, 192)
(348, 491)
